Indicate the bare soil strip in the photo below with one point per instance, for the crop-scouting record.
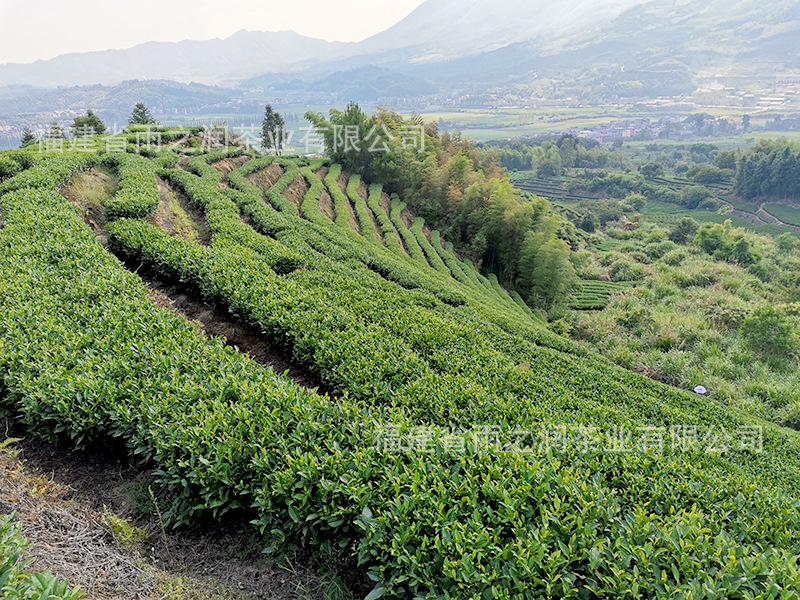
(376, 227)
(88, 191)
(296, 191)
(215, 321)
(326, 206)
(342, 182)
(266, 178)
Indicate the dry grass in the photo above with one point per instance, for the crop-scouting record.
(179, 217)
(67, 539)
(89, 191)
(104, 553)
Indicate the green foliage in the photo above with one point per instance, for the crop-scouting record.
(684, 230)
(88, 125)
(726, 160)
(725, 243)
(273, 131)
(624, 269)
(8, 167)
(769, 332)
(433, 257)
(443, 179)
(309, 208)
(51, 172)
(341, 204)
(693, 196)
(28, 138)
(409, 239)
(652, 170)
(594, 295)
(589, 223)
(346, 136)
(546, 275)
(390, 236)
(311, 468)
(634, 202)
(787, 243)
(709, 174)
(787, 214)
(727, 317)
(222, 213)
(363, 214)
(609, 183)
(771, 168)
(276, 198)
(85, 355)
(137, 196)
(548, 155)
(141, 115)
(605, 209)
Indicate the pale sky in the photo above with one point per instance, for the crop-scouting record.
(40, 29)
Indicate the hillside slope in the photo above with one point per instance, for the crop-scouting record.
(467, 451)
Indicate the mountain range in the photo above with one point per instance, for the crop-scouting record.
(603, 48)
(698, 35)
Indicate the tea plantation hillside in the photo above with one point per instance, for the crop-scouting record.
(464, 450)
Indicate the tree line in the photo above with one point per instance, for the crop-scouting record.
(463, 192)
(770, 169)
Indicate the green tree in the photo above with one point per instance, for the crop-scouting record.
(713, 237)
(346, 136)
(709, 174)
(652, 170)
(684, 230)
(141, 115)
(740, 251)
(634, 201)
(546, 274)
(273, 131)
(55, 131)
(28, 137)
(605, 209)
(725, 160)
(694, 195)
(787, 242)
(87, 125)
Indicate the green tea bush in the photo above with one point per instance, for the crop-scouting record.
(51, 172)
(137, 196)
(84, 355)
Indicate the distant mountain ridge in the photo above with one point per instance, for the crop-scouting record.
(644, 47)
(244, 54)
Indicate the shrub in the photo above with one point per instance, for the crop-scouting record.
(770, 333)
(625, 270)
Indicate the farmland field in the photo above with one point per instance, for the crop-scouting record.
(787, 214)
(593, 295)
(460, 449)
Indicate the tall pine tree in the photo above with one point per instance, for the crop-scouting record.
(141, 115)
(28, 137)
(273, 131)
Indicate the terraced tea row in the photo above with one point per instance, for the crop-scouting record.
(419, 468)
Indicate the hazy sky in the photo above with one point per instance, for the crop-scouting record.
(41, 29)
